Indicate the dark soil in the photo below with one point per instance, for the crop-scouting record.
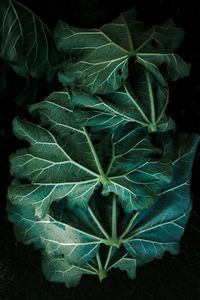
(173, 277)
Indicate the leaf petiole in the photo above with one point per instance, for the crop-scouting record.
(114, 219)
(103, 231)
(129, 226)
(101, 272)
(102, 176)
(108, 257)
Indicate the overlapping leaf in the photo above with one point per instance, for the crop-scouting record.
(143, 102)
(161, 227)
(97, 60)
(59, 270)
(54, 166)
(92, 191)
(126, 264)
(135, 178)
(62, 161)
(65, 246)
(25, 41)
(71, 239)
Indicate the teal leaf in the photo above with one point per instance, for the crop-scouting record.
(156, 49)
(53, 167)
(66, 247)
(144, 102)
(160, 228)
(25, 41)
(58, 269)
(136, 179)
(71, 238)
(62, 161)
(96, 60)
(126, 264)
(56, 236)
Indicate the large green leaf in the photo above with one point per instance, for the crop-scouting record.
(25, 42)
(97, 60)
(65, 246)
(54, 166)
(62, 161)
(93, 60)
(59, 270)
(57, 236)
(126, 264)
(161, 227)
(135, 178)
(143, 102)
(71, 239)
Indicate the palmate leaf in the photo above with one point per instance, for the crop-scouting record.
(126, 264)
(160, 228)
(66, 248)
(143, 102)
(93, 61)
(63, 162)
(56, 237)
(53, 166)
(71, 239)
(97, 60)
(148, 234)
(25, 41)
(135, 179)
(60, 270)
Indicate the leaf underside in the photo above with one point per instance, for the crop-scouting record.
(25, 41)
(71, 242)
(105, 180)
(143, 102)
(97, 59)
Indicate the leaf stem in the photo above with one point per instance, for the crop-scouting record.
(147, 121)
(103, 178)
(99, 261)
(101, 272)
(112, 160)
(98, 224)
(108, 257)
(129, 225)
(92, 267)
(114, 219)
(153, 127)
(88, 271)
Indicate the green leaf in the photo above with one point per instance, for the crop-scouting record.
(126, 264)
(71, 239)
(63, 162)
(136, 179)
(58, 269)
(66, 247)
(143, 102)
(54, 235)
(54, 166)
(151, 47)
(25, 41)
(160, 228)
(97, 60)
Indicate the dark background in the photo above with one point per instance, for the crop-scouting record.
(173, 277)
